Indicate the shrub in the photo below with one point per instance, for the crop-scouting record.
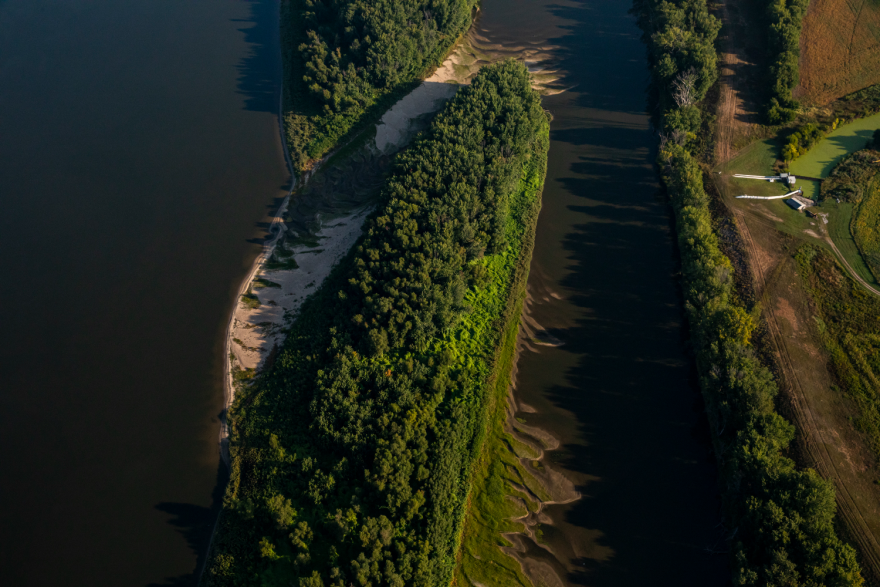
(784, 18)
(801, 141)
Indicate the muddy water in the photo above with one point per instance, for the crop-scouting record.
(615, 386)
(139, 153)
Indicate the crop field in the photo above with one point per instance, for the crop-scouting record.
(840, 49)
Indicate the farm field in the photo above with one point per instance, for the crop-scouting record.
(840, 49)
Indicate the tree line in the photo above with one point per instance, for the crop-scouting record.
(784, 34)
(781, 518)
(351, 456)
(680, 37)
(347, 59)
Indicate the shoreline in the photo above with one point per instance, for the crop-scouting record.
(393, 130)
(423, 100)
(268, 249)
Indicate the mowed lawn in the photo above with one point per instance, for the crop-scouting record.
(840, 49)
(759, 158)
(819, 162)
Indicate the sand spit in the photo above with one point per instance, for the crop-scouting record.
(401, 123)
(280, 293)
(309, 237)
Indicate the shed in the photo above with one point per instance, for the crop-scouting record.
(795, 204)
(803, 200)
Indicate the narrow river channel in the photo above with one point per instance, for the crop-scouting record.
(615, 388)
(139, 156)
(139, 153)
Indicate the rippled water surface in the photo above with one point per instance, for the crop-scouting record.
(617, 391)
(139, 155)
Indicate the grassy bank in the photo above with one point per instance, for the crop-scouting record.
(848, 323)
(780, 517)
(490, 512)
(347, 62)
(352, 456)
(866, 228)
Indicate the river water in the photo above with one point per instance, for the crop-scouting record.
(617, 388)
(139, 155)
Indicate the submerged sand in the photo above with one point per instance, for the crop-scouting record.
(254, 333)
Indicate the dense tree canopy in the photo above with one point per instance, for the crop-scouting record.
(351, 456)
(345, 55)
(781, 518)
(784, 18)
(680, 36)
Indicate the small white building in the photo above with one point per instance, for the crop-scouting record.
(799, 202)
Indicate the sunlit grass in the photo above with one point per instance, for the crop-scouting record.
(849, 138)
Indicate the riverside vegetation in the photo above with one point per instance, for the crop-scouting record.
(784, 19)
(347, 61)
(781, 518)
(352, 454)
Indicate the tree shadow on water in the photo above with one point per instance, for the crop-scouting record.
(259, 72)
(196, 524)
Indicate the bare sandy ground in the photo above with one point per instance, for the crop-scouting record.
(400, 123)
(475, 50)
(256, 331)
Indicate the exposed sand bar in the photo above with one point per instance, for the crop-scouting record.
(253, 332)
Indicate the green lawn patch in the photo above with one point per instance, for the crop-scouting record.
(846, 139)
(839, 228)
(865, 227)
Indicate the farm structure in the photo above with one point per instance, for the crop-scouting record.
(800, 203)
(780, 197)
(785, 178)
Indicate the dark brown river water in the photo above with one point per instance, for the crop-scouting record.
(139, 154)
(617, 392)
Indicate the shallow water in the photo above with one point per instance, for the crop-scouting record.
(139, 153)
(848, 138)
(618, 391)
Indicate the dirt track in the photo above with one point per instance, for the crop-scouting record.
(813, 410)
(849, 268)
(814, 432)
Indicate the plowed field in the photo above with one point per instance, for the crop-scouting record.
(840, 49)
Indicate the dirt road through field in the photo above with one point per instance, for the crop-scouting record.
(805, 381)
